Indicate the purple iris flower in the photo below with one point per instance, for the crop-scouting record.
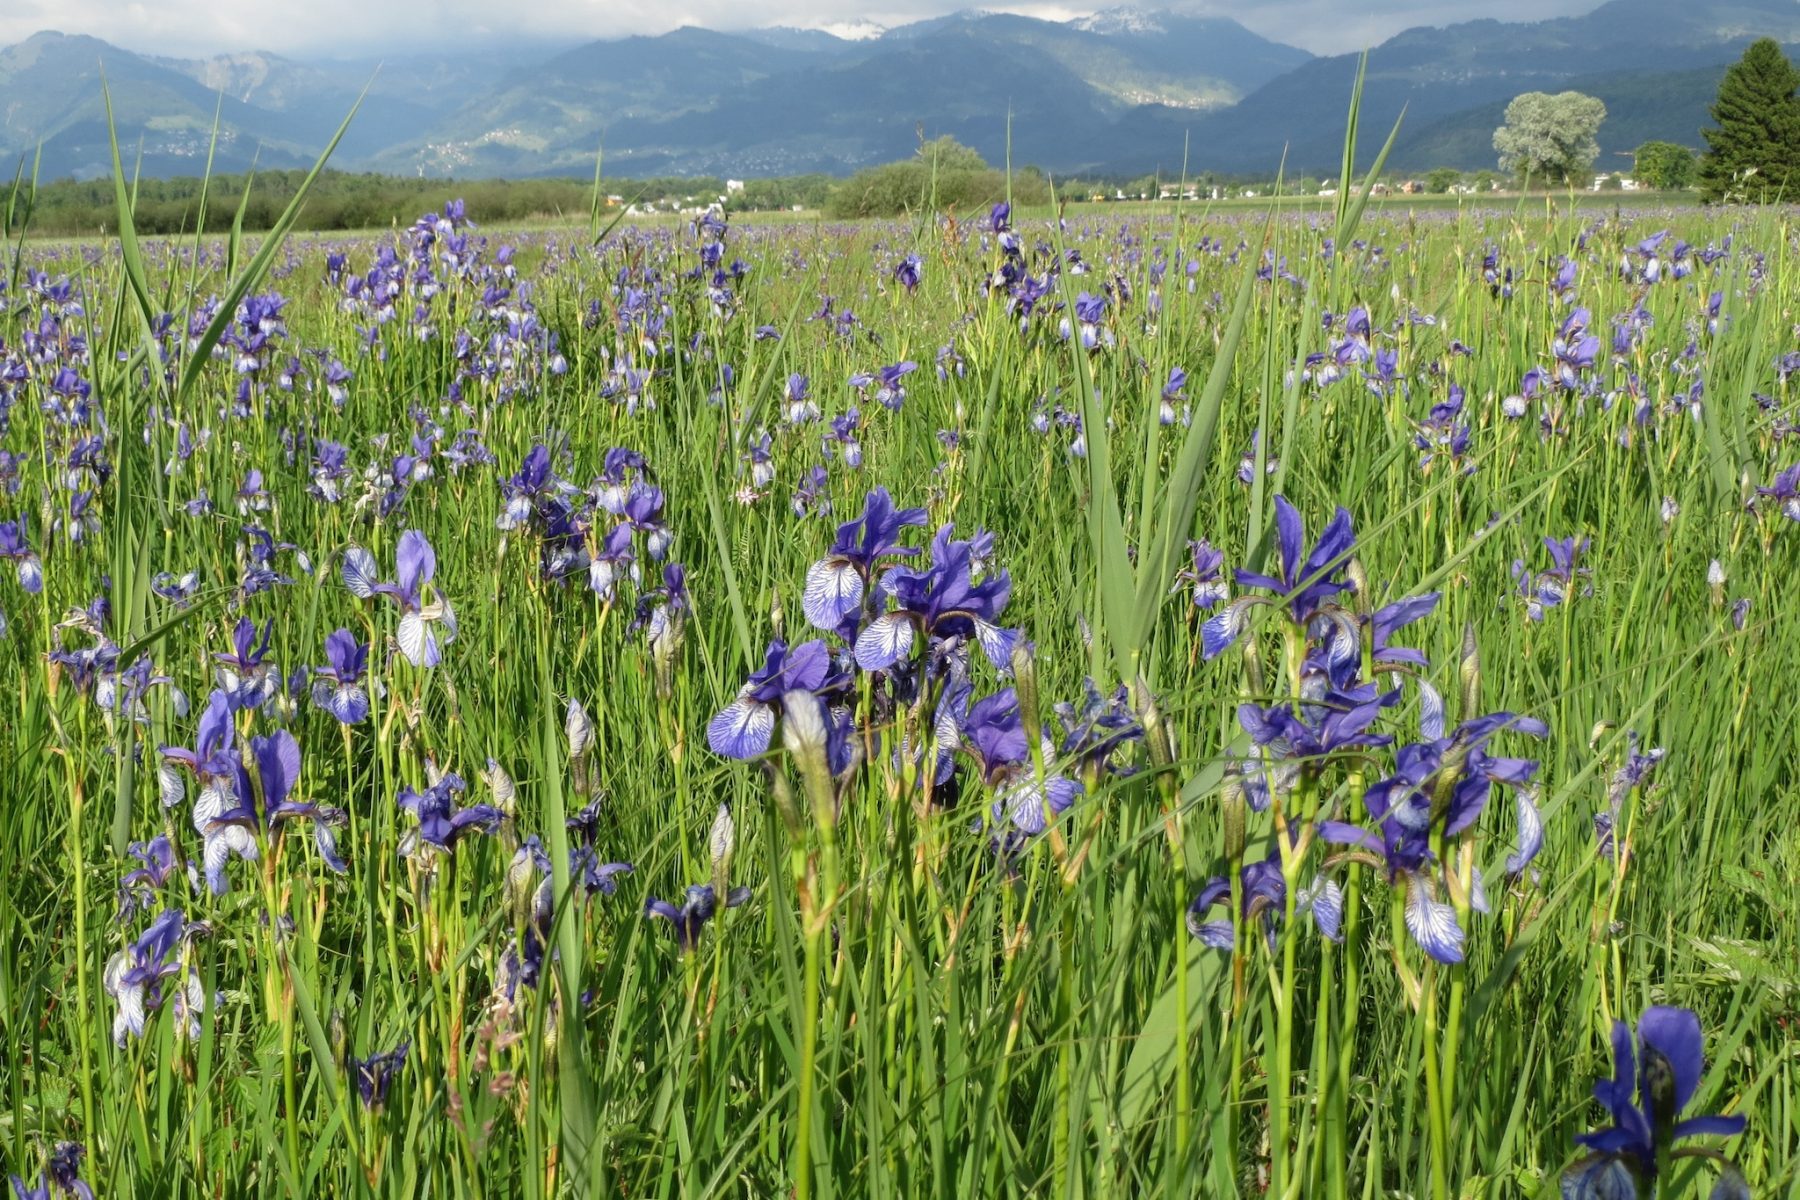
(1783, 490)
(1264, 895)
(1634, 774)
(1307, 580)
(810, 493)
(278, 766)
(1355, 346)
(1550, 588)
(837, 583)
(1090, 311)
(700, 905)
(801, 408)
(1335, 722)
(338, 688)
(890, 390)
(1172, 391)
(1098, 730)
(843, 435)
(909, 271)
(942, 601)
(1530, 384)
(522, 491)
(138, 887)
(1655, 1075)
(993, 731)
(375, 1074)
(1209, 589)
(259, 552)
(1563, 283)
(213, 761)
(1575, 349)
(422, 612)
(760, 455)
(614, 557)
(13, 546)
(744, 728)
(643, 512)
(441, 823)
(613, 485)
(1444, 432)
(243, 673)
(136, 978)
(662, 611)
(1443, 787)
(63, 1174)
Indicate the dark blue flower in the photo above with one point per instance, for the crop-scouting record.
(1306, 582)
(441, 824)
(278, 768)
(63, 1174)
(1441, 788)
(1783, 491)
(138, 887)
(941, 601)
(1263, 893)
(1654, 1077)
(837, 583)
(136, 978)
(14, 547)
(337, 687)
(212, 760)
(743, 728)
(243, 672)
(1209, 589)
(699, 905)
(375, 1074)
(427, 622)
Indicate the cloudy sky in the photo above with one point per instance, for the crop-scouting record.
(361, 28)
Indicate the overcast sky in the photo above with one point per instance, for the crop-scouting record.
(371, 28)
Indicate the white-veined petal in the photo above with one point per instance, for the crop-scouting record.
(997, 643)
(1531, 832)
(834, 589)
(742, 729)
(1431, 712)
(358, 572)
(170, 785)
(1432, 923)
(884, 642)
(413, 640)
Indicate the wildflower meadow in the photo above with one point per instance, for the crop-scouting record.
(1198, 702)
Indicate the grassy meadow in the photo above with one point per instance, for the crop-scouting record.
(452, 749)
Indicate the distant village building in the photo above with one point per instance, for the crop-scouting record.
(733, 186)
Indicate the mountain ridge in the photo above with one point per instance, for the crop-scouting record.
(1120, 91)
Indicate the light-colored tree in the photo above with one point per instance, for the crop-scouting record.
(1550, 139)
(948, 154)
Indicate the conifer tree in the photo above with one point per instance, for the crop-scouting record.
(1754, 153)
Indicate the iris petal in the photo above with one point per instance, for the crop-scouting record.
(834, 589)
(358, 572)
(742, 729)
(1432, 923)
(884, 642)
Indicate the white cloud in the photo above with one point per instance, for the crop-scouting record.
(360, 29)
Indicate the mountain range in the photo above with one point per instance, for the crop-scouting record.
(1122, 91)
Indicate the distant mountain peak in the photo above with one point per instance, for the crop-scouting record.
(854, 31)
(1121, 19)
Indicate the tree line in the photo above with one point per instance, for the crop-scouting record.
(1752, 149)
